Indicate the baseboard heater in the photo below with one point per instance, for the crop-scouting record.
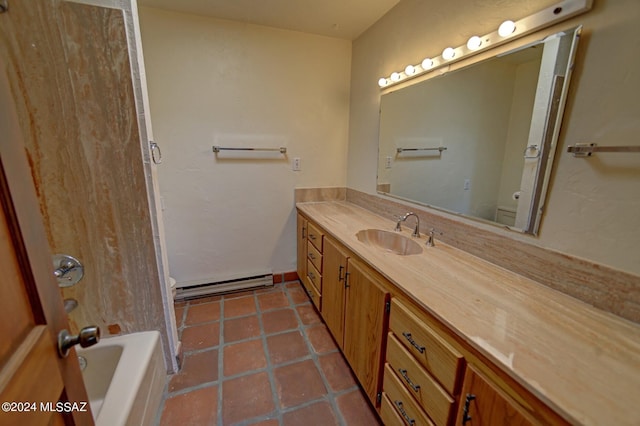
(227, 286)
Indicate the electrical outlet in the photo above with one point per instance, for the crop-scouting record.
(387, 162)
(296, 164)
(467, 184)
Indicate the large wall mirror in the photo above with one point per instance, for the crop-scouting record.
(480, 141)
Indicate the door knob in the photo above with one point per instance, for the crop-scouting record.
(88, 336)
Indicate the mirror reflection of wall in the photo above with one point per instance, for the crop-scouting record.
(482, 115)
(525, 80)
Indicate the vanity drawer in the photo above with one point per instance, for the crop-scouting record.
(313, 293)
(388, 414)
(314, 236)
(314, 276)
(314, 256)
(419, 383)
(439, 358)
(401, 401)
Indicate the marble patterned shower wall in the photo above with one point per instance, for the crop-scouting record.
(71, 80)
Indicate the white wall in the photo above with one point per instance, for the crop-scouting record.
(593, 204)
(216, 82)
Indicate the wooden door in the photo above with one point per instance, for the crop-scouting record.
(333, 289)
(483, 404)
(366, 319)
(32, 376)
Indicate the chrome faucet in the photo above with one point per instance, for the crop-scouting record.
(431, 242)
(416, 231)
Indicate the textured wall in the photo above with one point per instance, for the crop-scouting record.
(216, 82)
(593, 204)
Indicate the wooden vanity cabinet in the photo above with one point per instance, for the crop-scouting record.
(419, 383)
(455, 382)
(422, 362)
(401, 402)
(333, 292)
(484, 404)
(301, 239)
(427, 346)
(366, 318)
(309, 256)
(411, 365)
(355, 309)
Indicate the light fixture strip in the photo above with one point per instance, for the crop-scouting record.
(535, 22)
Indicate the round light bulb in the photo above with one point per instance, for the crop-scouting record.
(506, 28)
(474, 43)
(427, 63)
(410, 70)
(448, 53)
(382, 82)
(395, 76)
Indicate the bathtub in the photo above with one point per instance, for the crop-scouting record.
(125, 377)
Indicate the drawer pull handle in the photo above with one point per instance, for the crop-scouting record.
(404, 413)
(413, 342)
(465, 411)
(311, 256)
(304, 233)
(340, 277)
(312, 237)
(403, 372)
(312, 276)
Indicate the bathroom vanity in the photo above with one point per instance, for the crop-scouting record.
(437, 336)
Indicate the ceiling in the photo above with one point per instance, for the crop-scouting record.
(345, 19)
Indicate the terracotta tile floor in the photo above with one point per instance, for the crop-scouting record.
(261, 357)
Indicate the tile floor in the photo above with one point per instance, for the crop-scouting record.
(260, 357)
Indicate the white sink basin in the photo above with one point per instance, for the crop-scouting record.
(390, 241)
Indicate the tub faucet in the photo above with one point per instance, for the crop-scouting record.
(416, 231)
(70, 305)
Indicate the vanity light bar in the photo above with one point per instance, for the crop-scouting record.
(508, 31)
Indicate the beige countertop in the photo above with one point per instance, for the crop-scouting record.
(581, 361)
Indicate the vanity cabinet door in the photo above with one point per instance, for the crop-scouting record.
(333, 290)
(484, 404)
(366, 319)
